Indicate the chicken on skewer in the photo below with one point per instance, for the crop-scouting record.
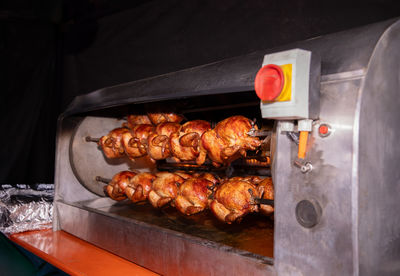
(116, 188)
(184, 175)
(266, 191)
(133, 120)
(158, 142)
(139, 187)
(210, 177)
(158, 118)
(111, 144)
(135, 141)
(228, 141)
(233, 200)
(193, 194)
(165, 188)
(253, 179)
(185, 144)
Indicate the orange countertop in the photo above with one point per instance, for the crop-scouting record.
(75, 256)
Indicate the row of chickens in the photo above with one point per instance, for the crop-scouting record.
(160, 135)
(229, 199)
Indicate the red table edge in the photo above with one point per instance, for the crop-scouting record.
(57, 262)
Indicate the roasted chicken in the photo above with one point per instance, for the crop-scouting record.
(158, 142)
(158, 118)
(116, 188)
(234, 199)
(227, 141)
(184, 175)
(212, 146)
(111, 143)
(193, 194)
(165, 188)
(134, 120)
(210, 177)
(185, 144)
(135, 140)
(139, 186)
(253, 179)
(266, 191)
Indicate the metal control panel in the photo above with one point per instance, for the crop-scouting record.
(284, 83)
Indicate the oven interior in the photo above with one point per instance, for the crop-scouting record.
(254, 235)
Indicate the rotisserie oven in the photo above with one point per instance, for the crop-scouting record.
(174, 172)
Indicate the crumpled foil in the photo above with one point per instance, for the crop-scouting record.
(23, 208)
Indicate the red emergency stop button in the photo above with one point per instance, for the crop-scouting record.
(269, 82)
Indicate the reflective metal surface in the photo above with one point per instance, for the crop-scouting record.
(160, 249)
(328, 246)
(254, 234)
(378, 179)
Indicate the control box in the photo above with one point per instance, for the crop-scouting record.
(288, 85)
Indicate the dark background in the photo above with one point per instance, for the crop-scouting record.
(53, 50)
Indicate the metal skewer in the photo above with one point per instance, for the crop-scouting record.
(91, 139)
(102, 179)
(264, 201)
(259, 133)
(257, 200)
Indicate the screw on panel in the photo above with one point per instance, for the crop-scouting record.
(307, 167)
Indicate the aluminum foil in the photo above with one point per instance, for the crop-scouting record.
(23, 208)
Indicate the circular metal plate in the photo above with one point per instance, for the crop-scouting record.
(308, 213)
(87, 159)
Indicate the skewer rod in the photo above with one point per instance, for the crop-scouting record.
(102, 179)
(91, 139)
(259, 133)
(265, 201)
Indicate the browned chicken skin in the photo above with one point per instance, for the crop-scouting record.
(165, 188)
(234, 130)
(158, 118)
(111, 143)
(210, 177)
(140, 186)
(227, 141)
(213, 147)
(135, 141)
(185, 144)
(266, 191)
(232, 200)
(193, 194)
(116, 188)
(184, 175)
(137, 120)
(253, 179)
(158, 142)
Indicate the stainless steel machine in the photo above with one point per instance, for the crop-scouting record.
(335, 162)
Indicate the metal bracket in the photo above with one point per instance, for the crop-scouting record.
(304, 166)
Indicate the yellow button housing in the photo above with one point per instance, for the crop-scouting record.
(286, 93)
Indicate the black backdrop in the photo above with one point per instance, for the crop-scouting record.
(51, 51)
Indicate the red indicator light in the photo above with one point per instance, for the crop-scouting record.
(324, 130)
